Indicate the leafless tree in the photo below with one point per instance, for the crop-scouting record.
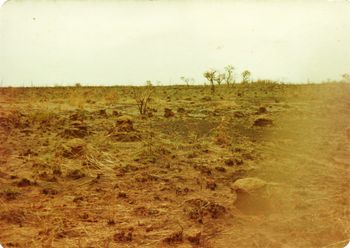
(229, 74)
(210, 76)
(187, 80)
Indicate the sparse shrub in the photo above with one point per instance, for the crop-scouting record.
(142, 96)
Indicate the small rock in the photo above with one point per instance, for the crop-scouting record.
(249, 184)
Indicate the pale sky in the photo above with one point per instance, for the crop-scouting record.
(129, 42)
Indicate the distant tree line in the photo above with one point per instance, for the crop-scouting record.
(215, 76)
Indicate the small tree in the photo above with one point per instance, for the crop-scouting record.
(246, 76)
(346, 78)
(142, 96)
(210, 76)
(229, 74)
(220, 78)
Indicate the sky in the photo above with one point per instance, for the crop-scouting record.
(125, 42)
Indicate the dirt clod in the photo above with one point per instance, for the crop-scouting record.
(262, 122)
(195, 238)
(197, 209)
(123, 236)
(73, 148)
(75, 174)
(174, 238)
(168, 113)
(25, 183)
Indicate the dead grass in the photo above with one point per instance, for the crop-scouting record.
(79, 167)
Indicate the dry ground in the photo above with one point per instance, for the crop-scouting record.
(80, 168)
